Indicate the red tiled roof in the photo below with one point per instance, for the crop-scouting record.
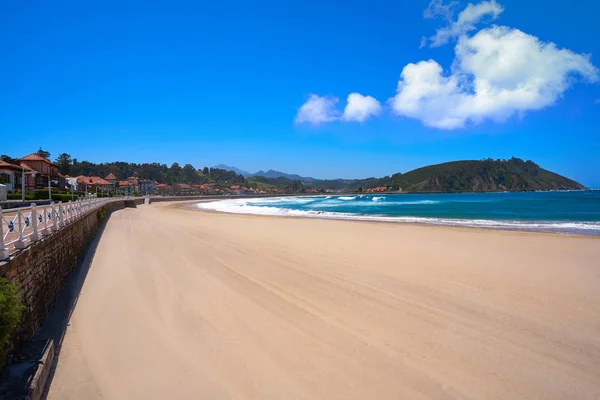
(235, 187)
(183, 185)
(111, 176)
(4, 164)
(124, 183)
(81, 178)
(132, 178)
(36, 157)
(161, 185)
(96, 180)
(28, 167)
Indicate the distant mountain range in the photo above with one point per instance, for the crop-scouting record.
(267, 174)
(456, 176)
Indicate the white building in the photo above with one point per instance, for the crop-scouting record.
(9, 175)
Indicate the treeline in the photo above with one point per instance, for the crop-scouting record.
(513, 174)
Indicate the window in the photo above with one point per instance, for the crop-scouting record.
(5, 178)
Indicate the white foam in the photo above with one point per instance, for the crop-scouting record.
(244, 206)
(378, 198)
(417, 202)
(346, 198)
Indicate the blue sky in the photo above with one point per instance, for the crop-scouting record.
(223, 82)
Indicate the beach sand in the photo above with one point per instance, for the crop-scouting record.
(183, 304)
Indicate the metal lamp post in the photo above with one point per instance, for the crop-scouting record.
(23, 174)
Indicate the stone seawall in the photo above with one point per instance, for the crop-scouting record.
(42, 269)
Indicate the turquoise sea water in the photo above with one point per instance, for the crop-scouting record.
(566, 212)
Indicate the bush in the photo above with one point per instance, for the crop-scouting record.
(10, 313)
(102, 213)
(63, 197)
(17, 196)
(40, 194)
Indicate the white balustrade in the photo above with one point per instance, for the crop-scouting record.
(34, 224)
(46, 230)
(3, 249)
(24, 226)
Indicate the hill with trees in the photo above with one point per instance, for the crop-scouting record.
(483, 176)
(457, 176)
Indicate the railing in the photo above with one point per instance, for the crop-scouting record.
(24, 226)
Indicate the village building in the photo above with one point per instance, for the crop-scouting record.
(124, 188)
(134, 183)
(112, 178)
(236, 189)
(147, 187)
(164, 189)
(9, 174)
(44, 173)
(182, 189)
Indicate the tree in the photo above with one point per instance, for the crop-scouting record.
(43, 153)
(64, 162)
(9, 159)
(190, 174)
(175, 173)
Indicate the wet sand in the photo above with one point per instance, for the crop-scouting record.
(195, 305)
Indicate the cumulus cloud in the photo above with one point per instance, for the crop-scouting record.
(360, 107)
(496, 74)
(318, 110)
(465, 22)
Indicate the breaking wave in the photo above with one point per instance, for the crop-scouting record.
(280, 207)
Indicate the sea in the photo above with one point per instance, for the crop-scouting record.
(568, 212)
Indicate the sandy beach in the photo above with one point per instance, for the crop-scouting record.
(185, 304)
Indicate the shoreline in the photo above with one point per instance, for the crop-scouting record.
(192, 205)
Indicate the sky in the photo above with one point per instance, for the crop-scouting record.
(326, 89)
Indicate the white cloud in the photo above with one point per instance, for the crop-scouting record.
(437, 8)
(318, 110)
(496, 74)
(360, 107)
(466, 21)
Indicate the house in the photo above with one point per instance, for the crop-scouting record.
(46, 172)
(112, 178)
(124, 188)
(133, 182)
(147, 187)
(163, 189)
(235, 189)
(9, 174)
(182, 189)
(101, 184)
(92, 184)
